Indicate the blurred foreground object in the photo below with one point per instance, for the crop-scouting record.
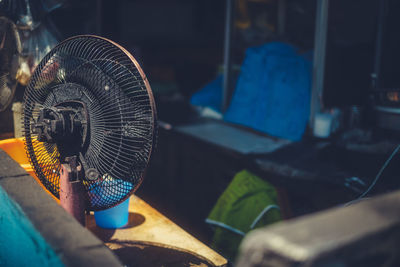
(364, 234)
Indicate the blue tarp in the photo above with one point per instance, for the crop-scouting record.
(20, 243)
(210, 95)
(272, 94)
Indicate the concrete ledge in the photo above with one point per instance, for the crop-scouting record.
(74, 244)
(363, 234)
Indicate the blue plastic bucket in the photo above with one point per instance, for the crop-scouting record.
(112, 218)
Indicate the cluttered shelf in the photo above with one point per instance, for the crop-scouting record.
(320, 173)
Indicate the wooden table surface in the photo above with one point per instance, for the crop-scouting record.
(147, 228)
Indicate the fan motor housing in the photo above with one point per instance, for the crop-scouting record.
(66, 122)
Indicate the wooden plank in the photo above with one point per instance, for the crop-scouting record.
(148, 226)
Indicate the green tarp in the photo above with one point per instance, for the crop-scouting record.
(247, 203)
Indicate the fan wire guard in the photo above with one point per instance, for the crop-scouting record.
(122, 116)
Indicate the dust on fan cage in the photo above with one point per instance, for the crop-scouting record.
(102, 91)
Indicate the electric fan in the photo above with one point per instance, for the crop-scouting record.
(10, 49)
(90, 123)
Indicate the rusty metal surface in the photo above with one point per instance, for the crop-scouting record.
(72, 195)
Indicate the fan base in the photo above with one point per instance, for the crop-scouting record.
(72, 194)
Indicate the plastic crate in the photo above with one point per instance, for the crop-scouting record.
(15, 148)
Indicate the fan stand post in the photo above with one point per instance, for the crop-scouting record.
(72, 192)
